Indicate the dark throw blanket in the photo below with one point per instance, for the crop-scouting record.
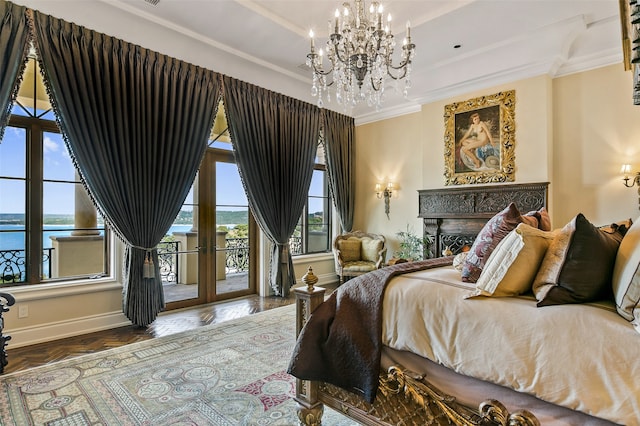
(341, 343)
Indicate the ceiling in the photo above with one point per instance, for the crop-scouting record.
(265, 42)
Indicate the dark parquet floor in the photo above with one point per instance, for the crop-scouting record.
(167, 323)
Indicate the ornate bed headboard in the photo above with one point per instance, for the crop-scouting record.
(452, 217)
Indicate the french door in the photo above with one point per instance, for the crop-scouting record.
(213, 257)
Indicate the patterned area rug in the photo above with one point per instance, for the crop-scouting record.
(231, 373)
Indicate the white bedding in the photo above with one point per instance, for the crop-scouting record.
(583, 357)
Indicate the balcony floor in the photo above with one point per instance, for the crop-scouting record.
(174, 292)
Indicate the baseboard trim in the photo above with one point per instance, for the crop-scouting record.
(59, 330)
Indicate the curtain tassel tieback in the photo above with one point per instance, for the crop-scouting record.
(285, 254)
(148, 269)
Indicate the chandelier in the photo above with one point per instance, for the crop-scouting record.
(359, 57)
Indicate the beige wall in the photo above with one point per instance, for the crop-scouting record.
(573, 131)
(389, 150)
(596, 129)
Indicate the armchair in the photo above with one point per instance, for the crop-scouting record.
(357, 253)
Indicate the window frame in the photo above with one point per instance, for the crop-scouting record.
(35, 128)
(304, 223)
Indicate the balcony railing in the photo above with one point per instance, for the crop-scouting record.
(13, 265)
(236, 255)
(168, 261)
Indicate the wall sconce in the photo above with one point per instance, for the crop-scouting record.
(385, 193)
(635, 180)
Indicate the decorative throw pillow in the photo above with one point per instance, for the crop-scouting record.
(618, 229)
(512, 266)
(370, 249)
(488, 238)
(578, 265)
(458, 260)
(350, 249)
(542, 215)
(626, 276)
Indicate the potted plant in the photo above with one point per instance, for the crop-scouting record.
(412, 246)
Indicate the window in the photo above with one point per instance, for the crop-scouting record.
(49, 228)
(313, 232)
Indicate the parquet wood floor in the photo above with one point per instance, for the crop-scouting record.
(167, 323)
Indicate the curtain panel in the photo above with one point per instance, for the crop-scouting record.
(275, 140)
(136, 124)
(14, 39)
(340, 151)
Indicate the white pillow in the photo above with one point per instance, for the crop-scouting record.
(626, 276)
(512, 266)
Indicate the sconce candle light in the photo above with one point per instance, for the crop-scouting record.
(385, 193)
(635, 180)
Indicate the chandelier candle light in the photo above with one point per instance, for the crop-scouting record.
(359, 53)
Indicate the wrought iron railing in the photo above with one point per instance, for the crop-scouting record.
(13, 265)
(13, 262)
(168, 261)
(236, 255)
(295, 245)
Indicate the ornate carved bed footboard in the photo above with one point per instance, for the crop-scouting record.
(403, 398)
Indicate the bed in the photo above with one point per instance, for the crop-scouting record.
(414, 343)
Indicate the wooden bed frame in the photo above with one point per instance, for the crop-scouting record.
(403, 398)
(6, 300)
(452, 218)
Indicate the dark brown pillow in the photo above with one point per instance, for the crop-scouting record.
(578, 265)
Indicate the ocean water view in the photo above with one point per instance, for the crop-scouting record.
(14, 239)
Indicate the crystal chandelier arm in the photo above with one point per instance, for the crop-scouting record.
(348, 47)
(320, 70)
(408, 53)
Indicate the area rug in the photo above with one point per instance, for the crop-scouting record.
(232, 373)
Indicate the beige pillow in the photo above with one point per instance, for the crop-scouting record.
(626, 276)
(370, 249)
(349, 249)
(513, 264)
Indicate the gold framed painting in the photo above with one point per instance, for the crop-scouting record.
(480, 140)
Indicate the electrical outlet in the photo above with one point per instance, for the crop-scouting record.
(23, 311)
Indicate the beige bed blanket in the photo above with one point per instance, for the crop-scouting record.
(584, 357)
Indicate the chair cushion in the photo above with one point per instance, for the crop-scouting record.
(350, 249)
(359, 266)
(371, 249)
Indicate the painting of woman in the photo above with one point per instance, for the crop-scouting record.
(478, 149)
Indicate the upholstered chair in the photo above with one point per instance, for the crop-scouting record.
(357, 253)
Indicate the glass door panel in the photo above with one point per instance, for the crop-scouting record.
(178, 254)
(233, 230)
